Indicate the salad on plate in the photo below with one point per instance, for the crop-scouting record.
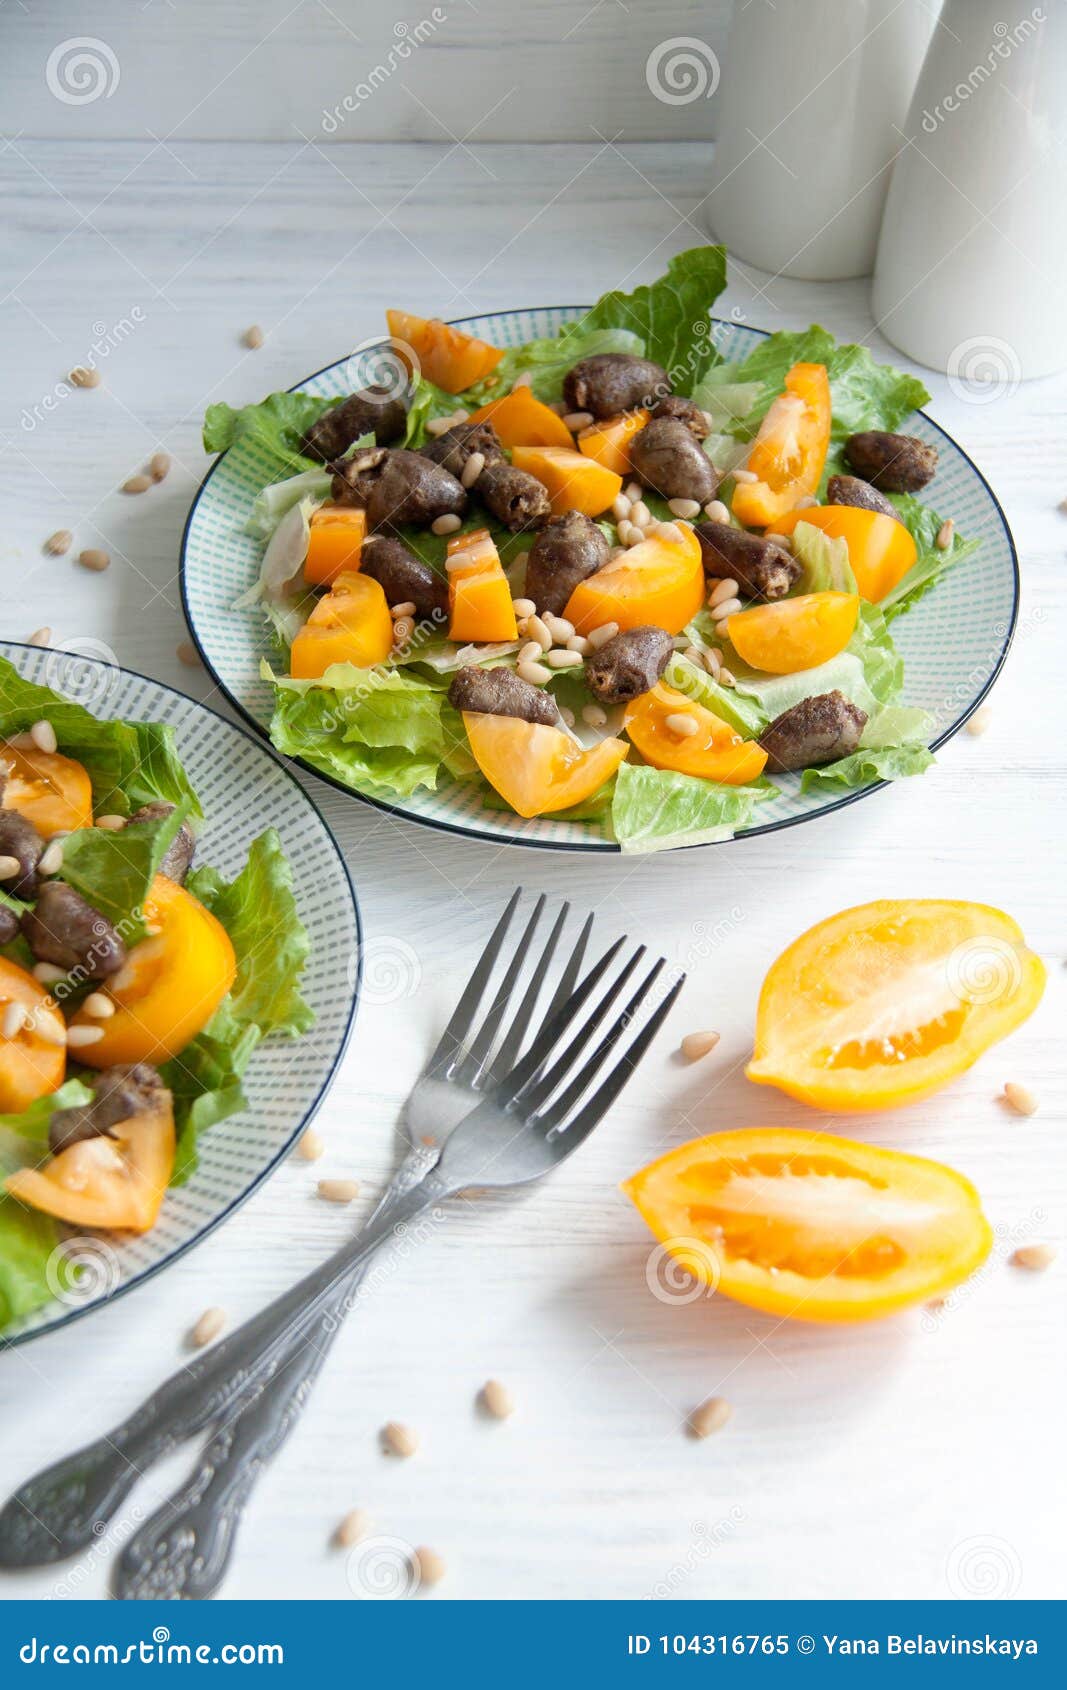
(606, 576)
(135, 981)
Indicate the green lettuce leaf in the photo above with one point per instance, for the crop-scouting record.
(28, 1244)
(864, 394)
(277, 500)
(895, 725)
(379, 731)
(863, 767)
(113, 871)
(128, 763)
(656, 809)
(924, 525)
(276, 425)
(826, 567)
(670, 315)
(744, 714)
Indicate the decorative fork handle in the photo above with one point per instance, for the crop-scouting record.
(62, 1509)
(184, 1549)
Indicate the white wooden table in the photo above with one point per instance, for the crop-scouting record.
(894, 1460)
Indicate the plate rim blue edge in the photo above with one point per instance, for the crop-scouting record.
(284, 1150)
(581, 846)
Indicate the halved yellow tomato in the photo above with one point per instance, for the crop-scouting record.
(520, 419)
(115, 1181)
(573, 482)
(885, 1003)
(538, 769)
(795, 633)
(609, 441)
(716, 751)
(31, 1065)
(170, 985)
(351, 624)
(50, 790)
(790, 449)
(335, 543)
(480, 605)
(446, 356)
(803, 1225)
(658, 583)
(880, 549)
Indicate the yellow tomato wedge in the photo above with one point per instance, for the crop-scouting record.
(30, 1064)
(884, 1004)
(657, 583)
(170, 985)
(880, 549)
(446, 356)
(520, 419)
(716, 751)
(50, 790)
(479, 598)
(789, 451)
(351, 624)
(117, 1181)
(573, 482)
(538, 769)
(609, 441)
(335, 543)
(795, 633)
(803, 1225)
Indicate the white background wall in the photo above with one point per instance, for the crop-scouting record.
(540, 70)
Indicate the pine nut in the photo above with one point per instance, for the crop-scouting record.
(431, 1567)
(9, 868)
(944, 535)
(682, 725)
(710, 1417)
(472, 469)
(685, 508)
(566, 715)
(577, 420)
(538, 630)
(497, 1399)
(99, 1006)
(353, 1528)
(979, 722)
(40, 636)
(137, 484)
(712, 662)
(580, 644)
(1021, 1098)
(806, 502)
(621, 508)
(159, 466)
(640, 514)
(524, 607)
(209, 1326)
(535, 673)
(338, 1190)
(405, 609)
(83, 375)
(51, 858)
(716, 511)
(634, 535)
(253, 337)
(124, 979)
(93, 558)
(667, 531)
(48, 973)
(558, 626)
(455, 562)
(594, 715)
(725, 677)
(625, 529)
(188, 655)
(633, 491)
(563, 659)
(725, 609)
(311, 1146)
(59, 542)
(79, 1036)
(51, 1028)
(441, 425)
(403, 628)
(43, 735)
(14, 1019)
(530, 652)
(1034, 1257)
(696, 1045)
(399, 1440)
(600, 636)
(111, 824)
(450, 523)
(725, 590)
(745, 476)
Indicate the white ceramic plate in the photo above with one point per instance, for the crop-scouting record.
(953, 643)
(243, 788)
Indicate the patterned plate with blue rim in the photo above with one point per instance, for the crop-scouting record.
(243, 788)
(953, 643)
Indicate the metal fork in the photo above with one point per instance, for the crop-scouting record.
(54, 1515)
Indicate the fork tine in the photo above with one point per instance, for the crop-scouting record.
(554, 1029)
(570, 976)
(544, 1084)
(567, 1099)
(511, 1044)
(598, 1104)
(476, 1051)
(466, 1009)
